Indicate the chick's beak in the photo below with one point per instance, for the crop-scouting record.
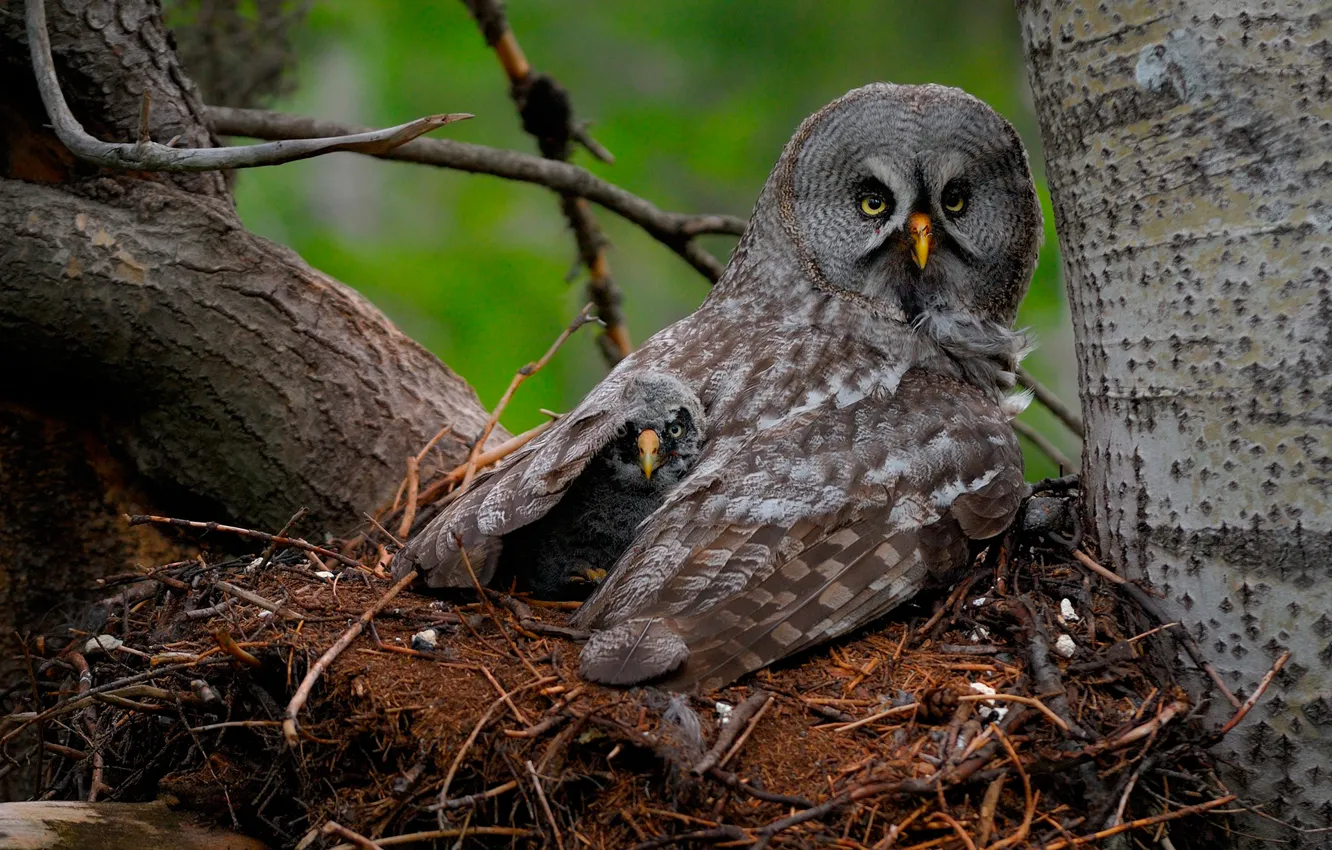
(921, 235)
(648, 445)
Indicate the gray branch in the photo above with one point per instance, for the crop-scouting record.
(146, 155)
(1051, 401)
(1048, 448)
(675, 230)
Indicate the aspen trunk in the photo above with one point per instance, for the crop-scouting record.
(1189, 146)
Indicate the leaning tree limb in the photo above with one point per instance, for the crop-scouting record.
(674, 230)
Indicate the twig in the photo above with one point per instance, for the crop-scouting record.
(481, 724)
(236, 724)
(413, 484)
(146, 155)
(693, 838)
(418, 837)
(228, 644)
(494, 683)
(910, 708)
(1051, 402)
(271, 548)
(545, 805)
(1141, 822)
(473, 799)
(294, 542)
(1046, 447)
(335, 828)
(744, 736)
(1030, 809)
(1137, 733)
(384, 531)
(1148, 604)
(674, 230)
(317, 669)
(503, 450)
(547, 114)
(957, 828)
(209, 612)
(255, 599)
(1031, 701)
(1256, 695)
(987, 809)
(739, 719)
(494, 617)
(584, 316)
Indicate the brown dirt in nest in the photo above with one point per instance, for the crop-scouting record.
(384, 728)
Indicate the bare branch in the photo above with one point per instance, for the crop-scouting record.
(548, 116)
(675, 230)
(146, 155)
(1051, 401)
(1046, 447)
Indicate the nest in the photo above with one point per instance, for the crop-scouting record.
(1031, 706)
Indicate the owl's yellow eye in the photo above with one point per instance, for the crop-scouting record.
(873, 205)
(676, 430)
(954, 199)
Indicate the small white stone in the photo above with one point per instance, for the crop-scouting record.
(724, 711)
(254, 565)
(1067, 612)
(324, 574)
(982, 688)
(979, 635)
(264, 615)
(979, 601)
(102, 643)
(425, 641)
(1065, 646)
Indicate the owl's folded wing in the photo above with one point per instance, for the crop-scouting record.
(806, 531)
(520, 490)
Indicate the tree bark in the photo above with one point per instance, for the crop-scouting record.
(1187, 148)
(157, 354)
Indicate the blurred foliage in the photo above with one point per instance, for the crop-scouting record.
(695, 99)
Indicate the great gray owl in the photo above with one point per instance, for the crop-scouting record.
(853, 362)
(578, 541)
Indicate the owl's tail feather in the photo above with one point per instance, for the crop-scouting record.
(633, 651)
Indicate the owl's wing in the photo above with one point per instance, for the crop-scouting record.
(519, 491)
(803, 531)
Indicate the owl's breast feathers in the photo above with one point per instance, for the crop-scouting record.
(836, 486)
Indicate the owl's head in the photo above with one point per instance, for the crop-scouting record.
(916, 198)
(660, 435)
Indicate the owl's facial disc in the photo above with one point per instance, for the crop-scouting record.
(919, 199)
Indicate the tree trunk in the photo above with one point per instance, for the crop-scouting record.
(1187, 147)
(159, 355)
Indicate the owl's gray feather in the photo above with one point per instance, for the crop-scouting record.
(858, 438)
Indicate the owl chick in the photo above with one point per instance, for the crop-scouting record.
(646, 446)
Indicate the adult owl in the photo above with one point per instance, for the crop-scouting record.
(853, 362)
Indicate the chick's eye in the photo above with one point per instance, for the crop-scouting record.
(873, 204)
(954, 199)
(676, 430)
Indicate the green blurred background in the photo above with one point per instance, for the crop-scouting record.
(694, 98)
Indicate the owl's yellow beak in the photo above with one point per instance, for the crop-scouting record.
(648, 445)
(921, 235)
